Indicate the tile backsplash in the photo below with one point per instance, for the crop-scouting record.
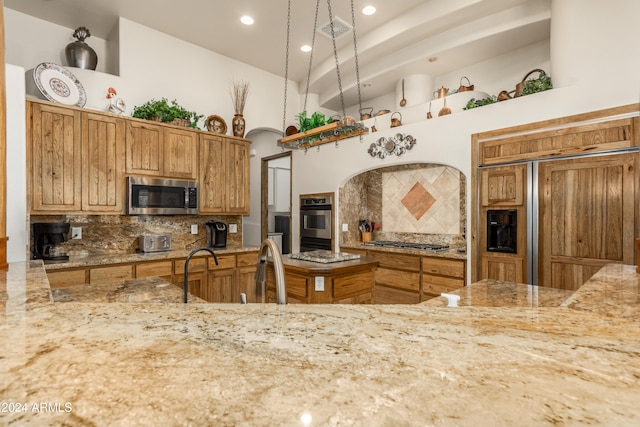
(119, 233)
(414, 203)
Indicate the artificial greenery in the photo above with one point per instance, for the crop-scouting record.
(166, 112)
(542, 83)
(473, 103)
(316, 120)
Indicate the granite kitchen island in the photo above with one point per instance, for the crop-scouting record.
(534, 361)
(326, 277)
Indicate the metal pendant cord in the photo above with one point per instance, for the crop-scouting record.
(286, 69)
(313, 45)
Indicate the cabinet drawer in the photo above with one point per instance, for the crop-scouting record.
(61, 279)
(397, 261)
(195, 265)
(224, 261)
(435, 285)
(444, 267)
(110, 274)
(246, 259)
(385, 295)
(149, 269)
(398, 279)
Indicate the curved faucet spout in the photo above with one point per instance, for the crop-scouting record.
(186, 269)
(278, 268)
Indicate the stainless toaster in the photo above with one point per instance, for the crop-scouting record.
(154, 242)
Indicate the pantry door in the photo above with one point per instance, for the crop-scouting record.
(587, 217)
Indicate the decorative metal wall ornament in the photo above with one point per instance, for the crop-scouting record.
(397, 144)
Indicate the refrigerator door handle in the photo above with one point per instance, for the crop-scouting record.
(532, 224)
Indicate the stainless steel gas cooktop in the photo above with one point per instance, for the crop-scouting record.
(408, 245)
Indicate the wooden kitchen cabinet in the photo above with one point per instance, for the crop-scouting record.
(162, 269)
(180, 153)
(503, 186)
(397, 279)
(224, 175)
(441, 275)
(77, 160)
(221, 285)
(144, 149)
(55, 146)
(161, 151)
(102, 163)
(197, 276)
(64, 278)
(246, 264)
(93, 275)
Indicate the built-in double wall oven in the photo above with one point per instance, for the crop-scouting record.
(316, 211)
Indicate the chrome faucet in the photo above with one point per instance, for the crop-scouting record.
(186, 269)
(278, 268)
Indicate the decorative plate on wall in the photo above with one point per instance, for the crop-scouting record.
(57, 84)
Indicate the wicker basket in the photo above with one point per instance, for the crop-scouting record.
(181, 122)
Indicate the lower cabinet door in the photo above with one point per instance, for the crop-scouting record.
(222, 287)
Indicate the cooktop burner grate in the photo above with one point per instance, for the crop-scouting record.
(408, 245)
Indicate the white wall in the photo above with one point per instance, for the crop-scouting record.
(30, 41)
(594, 63)
(17, 219)
(606, 41)
(263, 144)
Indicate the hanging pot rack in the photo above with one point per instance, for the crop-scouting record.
(346, 127)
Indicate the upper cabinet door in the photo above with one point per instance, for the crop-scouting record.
(212, 173)
(224, 175)
(180, 153)
(102, 163)
(55, 159)
(238, 177)
(503, 186)
(144, 149)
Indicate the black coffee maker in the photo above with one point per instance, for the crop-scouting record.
(46, 235)
(216, 234)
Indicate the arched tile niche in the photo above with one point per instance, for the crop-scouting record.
(417, 202)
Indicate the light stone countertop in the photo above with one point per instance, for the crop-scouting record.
(149, 364)
(88, 260)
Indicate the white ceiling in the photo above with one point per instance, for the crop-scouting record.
(395, 42)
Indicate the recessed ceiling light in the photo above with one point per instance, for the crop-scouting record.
(369, 10)
(366, 84)
(305, 48)
(247, 20)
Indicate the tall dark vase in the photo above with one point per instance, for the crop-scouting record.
(78, 53)
(238, 125)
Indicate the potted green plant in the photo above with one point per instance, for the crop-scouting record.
(473, 103)
(168, 112)
(308, 123)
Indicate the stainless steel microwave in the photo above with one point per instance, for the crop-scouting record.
(160, 196)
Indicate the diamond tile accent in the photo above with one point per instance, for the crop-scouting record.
(442, 183)
(418, 200)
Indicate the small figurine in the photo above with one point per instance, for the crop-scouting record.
(116, 105)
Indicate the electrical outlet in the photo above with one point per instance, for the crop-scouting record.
(194, 228)
(319, 283)
(76, 233)
(233, 228)
(345, 227)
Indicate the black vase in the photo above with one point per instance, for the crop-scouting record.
(79, 54)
